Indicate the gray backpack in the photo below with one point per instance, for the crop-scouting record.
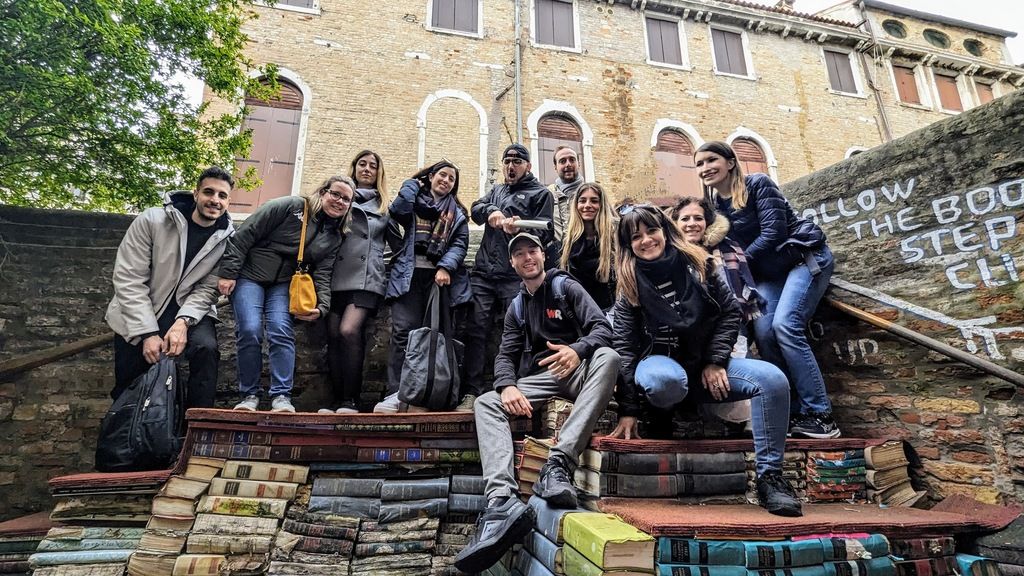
(430, 373)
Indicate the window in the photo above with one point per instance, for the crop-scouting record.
(554, 23)
(730, 56)
(275, 137)
(750, 156)
(985, 94)
(974, 47)
(663, 42)
(906, 84)
(894, 28)
(307, 4)
(936, 38)
(949, 94)
(554, 131)
(674, 169)
(456, 15)
(840, 71)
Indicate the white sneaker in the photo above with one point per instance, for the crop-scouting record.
(325, 411)
(347, 409)
(389, 405)
(250, 403)
(467, 403)
(281, 404)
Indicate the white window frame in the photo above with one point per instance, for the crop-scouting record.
(428, 24)
(684, 52)
(578, 46)
(315, 10)
(751, 75)
(966, 101)
(854, 70)
(920, 80)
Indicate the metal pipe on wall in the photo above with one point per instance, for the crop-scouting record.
(885, 129)
(518, 68)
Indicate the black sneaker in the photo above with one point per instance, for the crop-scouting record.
(504, 523)
(555, 483)
(819, 425)
(776, 495)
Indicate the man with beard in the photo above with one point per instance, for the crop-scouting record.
(567, 166)
(165, 286)
(493, 281)
(555, 343)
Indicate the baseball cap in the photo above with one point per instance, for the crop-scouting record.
(516, 151)
(524, 236)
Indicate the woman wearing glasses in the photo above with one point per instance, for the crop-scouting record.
(588, 246)
(256, 271)
(791, 264)
(359, 278)
(676, 321)
(433, 252)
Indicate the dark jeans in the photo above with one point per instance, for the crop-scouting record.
(407, 312)
(346, 341)
(490, 297)
(200, 350)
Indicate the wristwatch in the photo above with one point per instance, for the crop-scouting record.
(189, 321)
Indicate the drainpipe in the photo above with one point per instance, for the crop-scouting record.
(886, 131)
(518, 83)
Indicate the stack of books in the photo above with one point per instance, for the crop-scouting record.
(1005, 547)
(395, 548)
(699, 477)
(598, 544)
(812, 556)
(465, 502)
(887, 477)
(545, 543)
(531, 455)
(836, 476)
(310, 542)
(556, 410)
(969, 565)
(99, 549)
(794, 470)
(925, 556)
(19, 538)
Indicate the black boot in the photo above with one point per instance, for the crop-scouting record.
(555, 482)
(503, 524)
(776, 495)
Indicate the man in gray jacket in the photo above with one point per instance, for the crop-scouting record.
(165, 286)
(563, 190)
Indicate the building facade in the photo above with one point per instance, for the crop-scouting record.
(634, 85)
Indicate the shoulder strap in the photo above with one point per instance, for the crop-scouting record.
(558, 288)
(517, 309)
(302, 235)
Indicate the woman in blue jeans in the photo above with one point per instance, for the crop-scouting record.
(676, 321)
(257, 269)
(791, 264)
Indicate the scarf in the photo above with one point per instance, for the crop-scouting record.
(435, 220)
(679, 312)
(739, 278)
(584, 259)
(568, 188)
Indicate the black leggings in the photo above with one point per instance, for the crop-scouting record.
(346, 346)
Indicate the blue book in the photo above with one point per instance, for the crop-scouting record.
(976, 566)
(883, 566)
(549, 553)
(874, 546)
(549, 520)
(696, 570)
(757, 555)
(528, 565)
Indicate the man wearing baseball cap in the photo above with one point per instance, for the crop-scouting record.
(556, 342)
(493, 281)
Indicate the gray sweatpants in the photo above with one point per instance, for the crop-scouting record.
(590, 388)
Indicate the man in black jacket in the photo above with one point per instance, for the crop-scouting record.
(555, 343)
(494, 283)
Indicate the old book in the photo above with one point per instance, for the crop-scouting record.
(235, 451)
(275, 472)
(304, 515)
(465, 428)
(547, 552)
(203, 467)
(872, 546)
(866, 567)
(668, 463)
(215, 565)
(146, 563)
(917, 548)
(628, 485)
(406, 536)
(68, 545)
(242, 506)
(290, 542)
(886, 456)
(312, 453)
(15, 567)
(173, 523)
(416, 455)
(182, 487)
(882, 479)
(750, 554)
(528, 565)
(579, 565)
(85, 532)
(943, 566)
(902, 494)
(113, 507)
(319, 530)
(346, 506)
(279, 568)
(417, 562)
(970, 565)
(463, 484)
(412, 524)
(403, 547)
(335, 562)
(466, 503)
(227, 544)
(398, 510)
(173, 507)
(169, 541)
(354, 487)
(236, 525)
(550, 520)
(79, 557)
(80, 570)
(609, 542)
(414, 489)
(252, 488)
(207, 436)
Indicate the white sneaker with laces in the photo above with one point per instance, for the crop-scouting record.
(250, 403)
(281, 404)
(467, 403)
(389, 405)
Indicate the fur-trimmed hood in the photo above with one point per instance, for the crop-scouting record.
(716, 232)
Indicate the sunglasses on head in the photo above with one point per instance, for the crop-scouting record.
(623, 210)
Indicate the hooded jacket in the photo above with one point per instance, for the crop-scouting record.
(527, 199)
(148, 269)
(266, 247)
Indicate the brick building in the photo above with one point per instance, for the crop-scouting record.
(634, 85)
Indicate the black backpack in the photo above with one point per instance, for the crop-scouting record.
(144, 428)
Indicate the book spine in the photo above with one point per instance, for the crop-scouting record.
(354, 487)
(695, 570)
(396, 511)
(252, 488)
(312, 453)
(346, 506)
(869, 567)
(721, 463)
(319, 530)
(549, 520)
(242, 525)
(378, 548)
(78, 557)
(635, 486)
(577, 564)
(241, 506)
(206, 436)
(227, 544)
(87, 544)
(976, 566)
(918, 548)
(466, 503)
(197, 564)
(686, 551)
(873, 546)
(545, 551)
(414, 489)
(237, 451)
(708, 484)
(329, 519)
(761, 555)
(265, 471)
(945, 566)
(462, 484)
(324, 545)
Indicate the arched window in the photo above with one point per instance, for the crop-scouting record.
(275, 138)
(553, 131)
(750, 155)
(674, 168)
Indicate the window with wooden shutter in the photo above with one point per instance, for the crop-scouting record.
(906, 84)
(949, 96)
(275, 137)
(750, 156)
(553, 23)
(728, 49)
(457, 15)
(840, 72)
(554, 131)
(663, 42)
(675, 171)
(985, 94)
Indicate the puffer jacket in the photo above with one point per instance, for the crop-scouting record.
(404, 262)
(633, 339)
(527, 199)
(266, 247)
(772, 236)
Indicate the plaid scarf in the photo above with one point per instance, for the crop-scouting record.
(739, 278)
(434, 223)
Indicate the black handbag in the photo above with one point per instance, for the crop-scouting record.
(430, 373)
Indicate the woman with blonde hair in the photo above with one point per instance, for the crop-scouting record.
(588, 245)
(791, 264)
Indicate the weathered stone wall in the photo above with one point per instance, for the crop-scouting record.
(927, 232)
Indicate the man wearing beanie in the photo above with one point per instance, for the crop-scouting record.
(494, 283)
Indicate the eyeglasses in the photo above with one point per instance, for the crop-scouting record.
(338, 196)
(516, 161)
(623, 210)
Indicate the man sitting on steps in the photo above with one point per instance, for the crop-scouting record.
(555, 343)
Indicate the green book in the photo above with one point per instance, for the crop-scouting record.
(608, 542)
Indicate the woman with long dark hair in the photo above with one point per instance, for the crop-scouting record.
(676, 321)
(791, 263)
(433, 252)
(588, 245)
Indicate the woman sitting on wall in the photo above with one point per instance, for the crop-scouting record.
(257, 269)
(433, 252)
(676, 321)
(588, 251)
(791, 264)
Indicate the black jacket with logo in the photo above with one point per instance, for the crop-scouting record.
(527, 199)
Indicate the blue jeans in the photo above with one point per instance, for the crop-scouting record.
(253, 304)
(782, 332)
(765, 385)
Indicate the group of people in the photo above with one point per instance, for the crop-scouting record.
(641, 303)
